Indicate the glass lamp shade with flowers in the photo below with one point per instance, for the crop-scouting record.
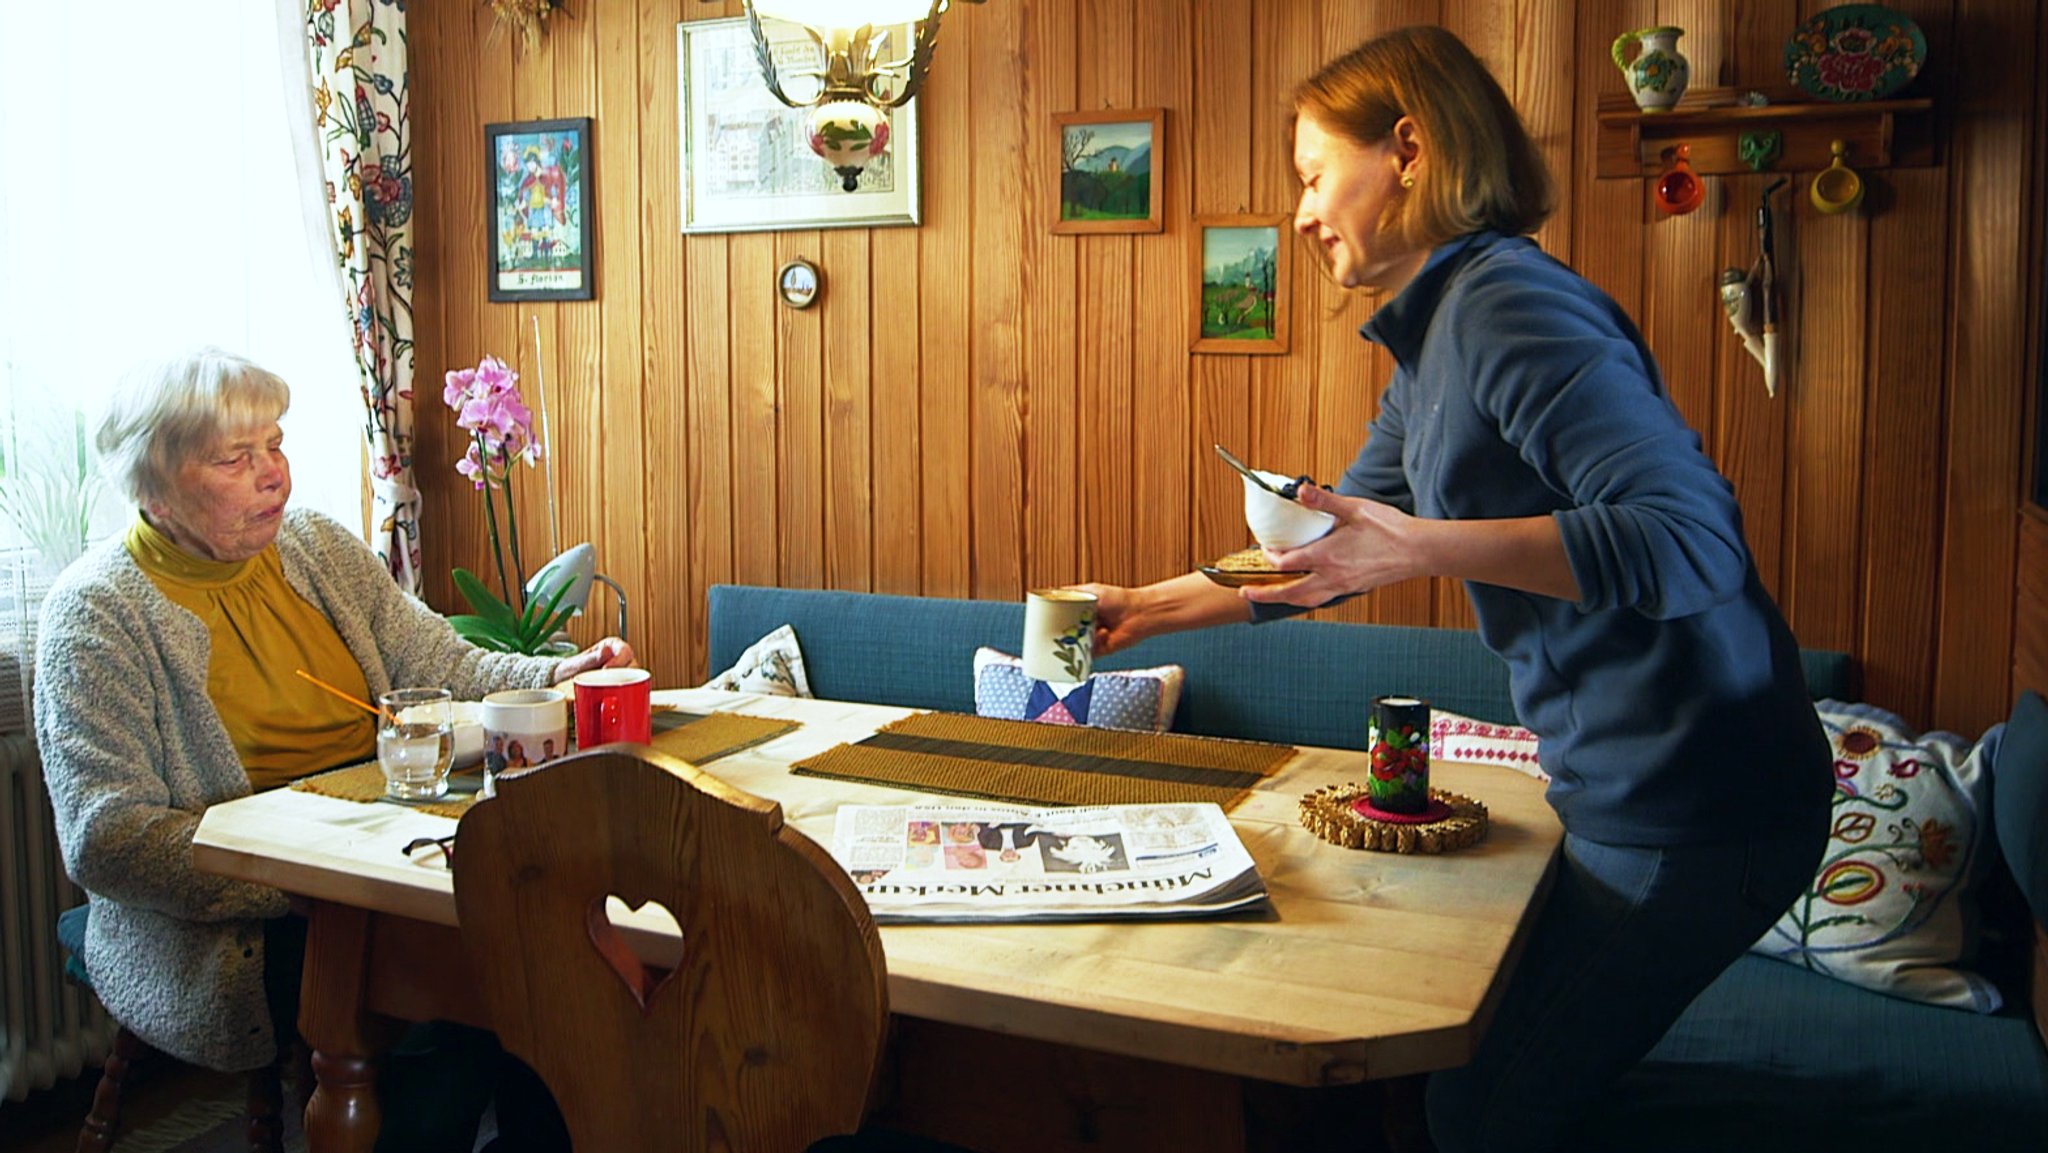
(488, 407)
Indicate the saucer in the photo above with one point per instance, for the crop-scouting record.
(1248, 567)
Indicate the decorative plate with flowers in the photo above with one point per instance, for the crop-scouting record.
(1855, 52)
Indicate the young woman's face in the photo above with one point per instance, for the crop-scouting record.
(229, 501)
(1346, 190)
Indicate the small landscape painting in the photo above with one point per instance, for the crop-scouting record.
(1109, 170)
(1245, 264)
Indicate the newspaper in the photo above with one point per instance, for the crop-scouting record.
(981, 862)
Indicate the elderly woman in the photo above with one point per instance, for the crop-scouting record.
(164, 684)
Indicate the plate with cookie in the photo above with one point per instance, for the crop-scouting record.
(1248, 567)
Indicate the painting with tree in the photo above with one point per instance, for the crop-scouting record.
(1245, 265)
(1110, 167)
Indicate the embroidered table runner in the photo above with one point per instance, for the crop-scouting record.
(694, 737)
(1042, 764)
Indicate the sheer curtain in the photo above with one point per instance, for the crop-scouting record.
(150, 202)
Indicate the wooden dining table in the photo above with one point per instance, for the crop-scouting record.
(1365, 965)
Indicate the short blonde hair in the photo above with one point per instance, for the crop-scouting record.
(1480, 171)
(167, 413)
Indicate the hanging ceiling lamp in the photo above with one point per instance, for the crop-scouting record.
(856, 83)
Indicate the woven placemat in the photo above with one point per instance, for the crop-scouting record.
(694, 737)
(1041, 764)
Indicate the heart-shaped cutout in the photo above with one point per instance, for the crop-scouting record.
(642, 981)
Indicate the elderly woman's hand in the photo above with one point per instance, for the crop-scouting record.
(609, 653)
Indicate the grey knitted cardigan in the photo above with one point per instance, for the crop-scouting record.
(133, 751)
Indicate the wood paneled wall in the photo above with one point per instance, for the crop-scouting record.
(978, 407)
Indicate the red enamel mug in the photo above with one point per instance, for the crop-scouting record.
(614, 705)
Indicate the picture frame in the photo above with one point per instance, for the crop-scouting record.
(798, 283)
(1243, 267)
(537, 179)
(746, 163)
(1109, 165)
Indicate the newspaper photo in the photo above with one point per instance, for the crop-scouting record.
(981, 862)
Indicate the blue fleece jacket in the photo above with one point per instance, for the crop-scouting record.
(1669, 700)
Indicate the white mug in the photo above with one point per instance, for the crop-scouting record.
(1059, 635)
(526, 726)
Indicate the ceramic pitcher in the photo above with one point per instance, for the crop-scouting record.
(1658, 74)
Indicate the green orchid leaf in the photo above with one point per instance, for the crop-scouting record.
(485, 604)
(479, 632)
(543, 621)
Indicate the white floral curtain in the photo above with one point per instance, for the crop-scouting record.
(362, 110)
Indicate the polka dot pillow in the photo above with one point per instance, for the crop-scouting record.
(1889, 908)
(1142, 699)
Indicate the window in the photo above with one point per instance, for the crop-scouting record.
(149, 203)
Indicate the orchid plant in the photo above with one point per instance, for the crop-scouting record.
(488, 406)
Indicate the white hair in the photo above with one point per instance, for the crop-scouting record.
(166, 413)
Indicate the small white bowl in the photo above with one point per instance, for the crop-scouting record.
(1277, 522)
(469, 732)
(466, 724)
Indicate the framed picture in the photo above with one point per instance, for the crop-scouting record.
(747, 164)
(538, 181)
(1245, 263)
(1109, 165)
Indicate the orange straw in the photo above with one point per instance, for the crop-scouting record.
(354, 700)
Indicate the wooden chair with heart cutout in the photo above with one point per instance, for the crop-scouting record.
(764, 1034)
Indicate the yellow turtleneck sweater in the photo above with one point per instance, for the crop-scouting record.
(283, 726)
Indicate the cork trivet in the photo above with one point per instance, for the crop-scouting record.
(1330, 813)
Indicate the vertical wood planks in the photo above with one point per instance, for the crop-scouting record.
(1000, 275)
(1104, 312)
(848, 482)
(1158, 480)
(946, 254)
(1989, 173)
(1051, 492)
(977, 406)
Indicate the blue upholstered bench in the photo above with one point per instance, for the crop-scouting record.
(1295, 681)
(1771, 1057)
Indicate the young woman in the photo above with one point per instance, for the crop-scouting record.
(1526, 446)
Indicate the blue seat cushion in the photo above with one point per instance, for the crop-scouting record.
(1773, 1057)
(71, 934)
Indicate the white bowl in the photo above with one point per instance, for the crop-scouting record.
(467, 724)
(469, 732)
(1277, 522)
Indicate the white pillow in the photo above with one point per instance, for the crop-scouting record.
(1891, 908)
(773, 665)
(1459, 738)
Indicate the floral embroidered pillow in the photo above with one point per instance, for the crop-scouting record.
(1143, 699)
(1890, 908)
(773, 665)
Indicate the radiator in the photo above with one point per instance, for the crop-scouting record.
(50, 1029)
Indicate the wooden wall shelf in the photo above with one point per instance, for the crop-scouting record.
(1880, 133)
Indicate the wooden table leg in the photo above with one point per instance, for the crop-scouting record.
(342, 1115)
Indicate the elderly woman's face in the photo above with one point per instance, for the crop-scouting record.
(229, 501)
(1346, 189)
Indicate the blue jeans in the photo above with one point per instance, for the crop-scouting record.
(1627, 939)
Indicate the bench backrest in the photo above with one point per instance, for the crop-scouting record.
(1295, 681)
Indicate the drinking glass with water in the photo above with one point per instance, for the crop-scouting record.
(416, 742)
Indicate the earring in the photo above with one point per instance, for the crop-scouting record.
(1407, 180)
